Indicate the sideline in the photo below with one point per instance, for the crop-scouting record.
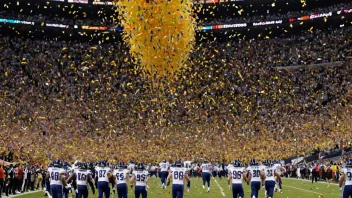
(22, 194)
(221, 190)
(304, 180)
(320, 182)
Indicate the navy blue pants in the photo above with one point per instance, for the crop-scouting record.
(255, 186)
(347, 191)
(164, 175)
(103, 188)
(237, 191)
(140, 190)
(82, 191)
(56, 191)
(269, 187)
(206, 178)
(66, 192)
(47, 185)
(177, 191)
(122, 190)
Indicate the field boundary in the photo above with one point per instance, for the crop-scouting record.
(22, 194)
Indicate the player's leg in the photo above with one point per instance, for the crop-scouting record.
(240, 192)
(137, 192)
(208, 180)
(204, 179)
(188, 186)
(144, 192)
(234, 191)
(100, 189)
(107, 190)
(174, 191)
(270, 189)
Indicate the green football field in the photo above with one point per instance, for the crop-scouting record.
(292, 188)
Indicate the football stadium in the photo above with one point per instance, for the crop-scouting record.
(175, 98)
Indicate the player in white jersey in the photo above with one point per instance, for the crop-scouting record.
(83, 177)
(178, 174)
(346, 178)
(271, 172)
(164, 171)
(279, 170)
(256, 176)
(121, 175)
(237, 174)
(57, 179)
(206, 169)
(103, 175)
(140, 176)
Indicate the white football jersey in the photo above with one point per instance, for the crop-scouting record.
(55, 176)
(255, 171)
(164, 166)
(348, 176)
(206, 168)
(82, 176)
(270, 173)
(237, 173)
(102, 173)
(121, 175)
(141, 177)
(178, 175)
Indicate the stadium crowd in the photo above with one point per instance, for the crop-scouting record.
(230, 92)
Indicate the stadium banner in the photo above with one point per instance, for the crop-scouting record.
(56, 25)
(102, 2)
(14, 21)
(78, 1)
(86, 27)
(267, 23)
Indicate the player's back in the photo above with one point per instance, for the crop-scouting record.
(255, 171)
(164, 166)
(55, 176)
(121, 175)
(82, 176)
(270, 173)
(206, 168)
(102, 173)
(348, 174)
(236, 173)
(141, 177)
(178, 175)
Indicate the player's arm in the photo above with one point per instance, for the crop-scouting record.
(47, 176)
(187, 178)
(262, 177)
(63, 179)
(70, 177)
(244, 175)
(91, 183)
(132, 180)
(200, 169)
(169, 178)
(278, 176)
(342, 180)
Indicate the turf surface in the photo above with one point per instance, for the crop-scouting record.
(292, 188)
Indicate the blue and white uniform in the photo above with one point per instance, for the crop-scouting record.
(55, 182)
(82, 182)
(121, 182)
(255, 180)
(270, 180)
(103, 181)
(347, 190)
(237, 188)
(178, 181)
(164, 168)
(141, 177)
(206, 174)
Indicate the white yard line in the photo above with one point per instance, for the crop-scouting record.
(26, 193)
(308, 190)
(221, 190)
(304, 180)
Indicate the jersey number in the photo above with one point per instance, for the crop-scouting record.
(256, 173)
(269, 173)
(349, 176)
(55, 176)
(236, 175)
(119, 176)
(102, 173)
(140, 178)
(178, 175)
(81, 177)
